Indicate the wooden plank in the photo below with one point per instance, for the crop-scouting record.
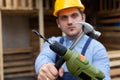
(26, 4)
(41, 19)
(115, 63)
(118, 4)
(111, 34)
(17, 50)
(47, 6)
(30, 74)
(114, 4)
(18, 63)
(109, 20)
(23, 4)
(109, 4)
(114, 53)
(101, 3)
(30, 4)
(105, 5)
(15, 57)
(109, 13)
(19, 69)
(114, 58)
(1, 49)
(15, 4)
(8, 4)
(1, 4)
(37, 4)
(116, 78)
(115, 72)
(108, 28)
(113, 47)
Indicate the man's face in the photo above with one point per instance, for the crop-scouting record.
(66, 19)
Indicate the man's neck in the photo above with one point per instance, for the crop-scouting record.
(75, 36)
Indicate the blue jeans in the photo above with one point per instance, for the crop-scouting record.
(67, 76)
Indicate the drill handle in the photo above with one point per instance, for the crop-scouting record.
(59, 63)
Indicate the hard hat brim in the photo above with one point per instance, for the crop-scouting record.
(56, 12)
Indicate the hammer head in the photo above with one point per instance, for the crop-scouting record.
(89, 29)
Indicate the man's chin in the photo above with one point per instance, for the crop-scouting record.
(72, 36)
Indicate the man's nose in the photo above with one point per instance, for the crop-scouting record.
(70, 21)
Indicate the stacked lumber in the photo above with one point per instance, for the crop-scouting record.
(108, 23)
(114, 64)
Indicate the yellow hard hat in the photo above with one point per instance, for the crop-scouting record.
(63, 4)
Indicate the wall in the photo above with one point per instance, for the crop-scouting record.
(15, 32)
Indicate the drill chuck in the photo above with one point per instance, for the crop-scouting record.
(58, 48)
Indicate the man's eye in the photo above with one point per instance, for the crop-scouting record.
(63, 17)
(74, 15)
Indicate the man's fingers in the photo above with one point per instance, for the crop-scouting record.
(41, 76)
(61, 72)
(53, 70)
(48, 72)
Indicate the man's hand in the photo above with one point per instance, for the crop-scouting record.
(49, 72)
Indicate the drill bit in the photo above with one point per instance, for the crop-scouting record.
(38, 34)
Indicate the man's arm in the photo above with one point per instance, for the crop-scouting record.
(101, 60)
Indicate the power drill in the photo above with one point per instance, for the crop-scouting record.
(76, 63)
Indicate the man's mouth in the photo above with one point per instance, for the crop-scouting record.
(71, 28)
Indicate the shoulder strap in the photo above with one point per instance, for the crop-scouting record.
(86, 46)
(61, 40)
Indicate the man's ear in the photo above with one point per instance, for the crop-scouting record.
(58, 23)
(84, 17)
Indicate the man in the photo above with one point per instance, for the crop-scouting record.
(68, 12)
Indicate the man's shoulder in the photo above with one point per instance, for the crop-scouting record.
(55, 38)
(95, 42)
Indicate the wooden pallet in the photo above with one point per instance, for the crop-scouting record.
(18, 63)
